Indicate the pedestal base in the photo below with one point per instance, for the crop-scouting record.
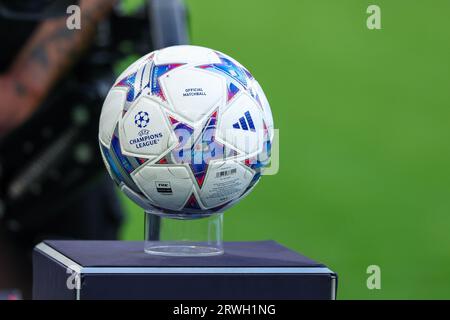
(121, 270)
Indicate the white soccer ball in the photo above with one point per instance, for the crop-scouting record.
(186, 130)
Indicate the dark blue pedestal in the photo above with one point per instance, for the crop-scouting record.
(121, 270)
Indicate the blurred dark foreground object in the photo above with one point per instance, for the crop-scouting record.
(53, 182)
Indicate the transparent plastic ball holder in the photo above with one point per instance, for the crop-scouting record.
(183, 235)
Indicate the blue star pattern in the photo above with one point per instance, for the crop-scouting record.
(141, 119)
(226, 66)
(128, 82)
(234, 73)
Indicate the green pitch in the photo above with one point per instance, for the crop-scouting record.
(364, 119)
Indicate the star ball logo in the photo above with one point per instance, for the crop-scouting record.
(141, 119)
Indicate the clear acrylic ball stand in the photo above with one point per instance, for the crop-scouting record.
(183, 236)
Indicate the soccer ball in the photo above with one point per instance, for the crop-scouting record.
(186, 131)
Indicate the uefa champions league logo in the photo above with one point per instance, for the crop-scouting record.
(141, 119)
(144, 138)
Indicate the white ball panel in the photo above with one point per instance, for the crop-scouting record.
(141, 201)
(108, 167)
(112, 108)
(266, 107)
(224, 181)
(169, 187)
(193, 93)
(186, 54)
(235, 126)
(147, 139)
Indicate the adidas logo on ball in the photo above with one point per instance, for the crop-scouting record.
(245, 123)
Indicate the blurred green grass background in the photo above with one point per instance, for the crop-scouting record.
(364, 136)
